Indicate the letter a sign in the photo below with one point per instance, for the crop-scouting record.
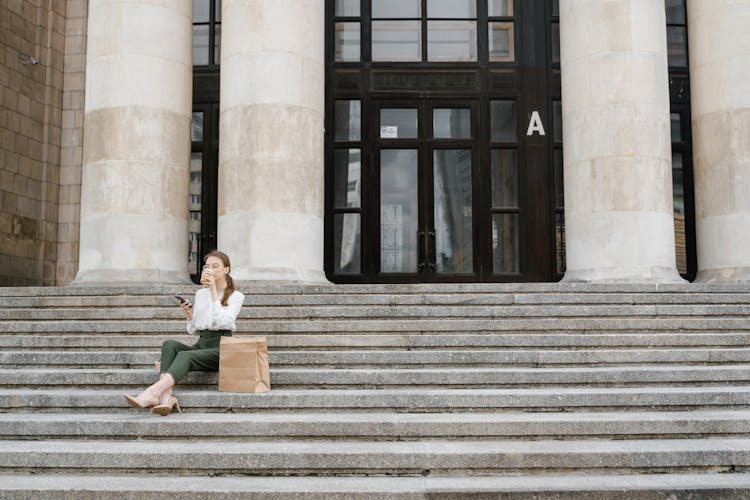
(535, 124)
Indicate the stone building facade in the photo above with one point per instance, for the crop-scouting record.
(307, 172)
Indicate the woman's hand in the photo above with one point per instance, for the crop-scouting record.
(187, 308)
(207, 278)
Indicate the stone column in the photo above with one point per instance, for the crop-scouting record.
(720, 97)
(271, 139)
(134, 192)
(618, 177)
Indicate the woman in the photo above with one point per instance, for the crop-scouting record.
(216, 308)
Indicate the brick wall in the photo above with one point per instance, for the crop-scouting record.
(71, 157)
(32, 41)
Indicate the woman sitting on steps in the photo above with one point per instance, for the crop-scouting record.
(213, 315)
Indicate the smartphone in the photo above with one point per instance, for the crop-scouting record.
(181, 300)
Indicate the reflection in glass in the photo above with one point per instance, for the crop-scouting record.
(505, 255)
(347, 41)
(201, 11)
(675, 11)
(396, 41)
(453, 215)
(676, 127)
(218, 11)
(398, 210)
(501, 42)
(555, 56)
(347, 120)
(347, 8)
(194, 207)
(677, 46)
(217, 43)
(200, 45)
(500, 8)
(396, 8)
(557, 121)
(347, 248)
(398, 123)
(347, 175)
(560, 242)
(559, 180)
(556, 7)
(196, 129)
(451, 123)
(452, 41)
(504, 178)
(503, 120)
(454, 9)
(678, 197)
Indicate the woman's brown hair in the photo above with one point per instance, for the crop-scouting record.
(224, 258)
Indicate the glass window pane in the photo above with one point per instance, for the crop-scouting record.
(396, 8)
(559, 180)
(560, 242)
(347, 248)
(557, 122)
(347, 41)
(218, 11)
(398, 210)
(194, 236)
(347, 8)
(500, 8)
(398, 123)
(456, 9)
(677, 46)
(347, 120)
(503, 120)
(196, 133)
(675, 11)
(201, 11)
(501, 42)
(200, 45)
(217, 44)
(453, 217)
(505, 243)
(396, 41)
(504, 178)
(196, 180)
(678, 196)
(452, 41)
(451, 123)
(555, 56)
(676, 127)
(555, 7)
(347, 174)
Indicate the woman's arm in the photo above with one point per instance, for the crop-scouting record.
(222, 318)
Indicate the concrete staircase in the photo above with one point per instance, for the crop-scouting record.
(387, 391)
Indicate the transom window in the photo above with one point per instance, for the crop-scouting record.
(206, 32)
(424, 31)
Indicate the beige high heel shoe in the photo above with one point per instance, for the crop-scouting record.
(165, 410)
(133, 401)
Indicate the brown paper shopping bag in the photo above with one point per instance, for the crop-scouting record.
(243, 365)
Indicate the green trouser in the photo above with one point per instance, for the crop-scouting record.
(177, 358)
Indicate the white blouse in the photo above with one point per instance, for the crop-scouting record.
(211, 315)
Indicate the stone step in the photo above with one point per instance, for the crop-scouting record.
(409, 399)
(392, 341)
(350, 312)
(388, 299)
(376, 425)
(351, 326)
(375, 289)
(400, 358)
(375, 457)
(734, 486)
(395, 377)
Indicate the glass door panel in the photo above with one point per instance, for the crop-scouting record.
(399, 216)
(453, 201)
